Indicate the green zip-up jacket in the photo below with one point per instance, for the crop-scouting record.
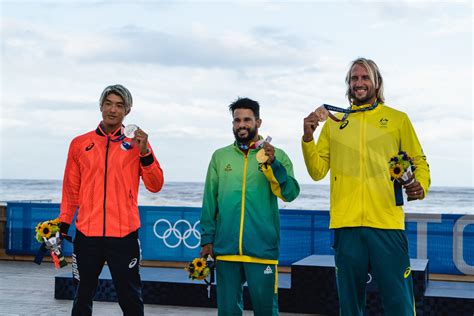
(240, 214)
(358, 152)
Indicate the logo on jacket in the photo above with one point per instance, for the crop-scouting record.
(369, 278)
(90, 146)
(268, 270)
(383, 122)
(125, 145)
(228, 168)
(132, 263)
(407, 272)
(344, 124)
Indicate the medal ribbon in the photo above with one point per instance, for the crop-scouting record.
(260, 142)
(347, 111)
(121, 137)
(255, 145)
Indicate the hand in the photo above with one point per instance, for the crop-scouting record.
(322, 113)
(309, 126)
(141, 139)
(270, 152)
(414, 191)
(207, 250)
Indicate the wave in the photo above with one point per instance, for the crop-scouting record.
(459, 200)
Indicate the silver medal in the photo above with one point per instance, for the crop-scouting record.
(129, 130)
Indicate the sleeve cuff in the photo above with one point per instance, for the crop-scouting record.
(147, 159)
(275, 164)
(306, 143)
(64, 228)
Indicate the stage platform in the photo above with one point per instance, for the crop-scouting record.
(166, 286)
(310, 288)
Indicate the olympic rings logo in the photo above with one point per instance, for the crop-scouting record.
(177, 234)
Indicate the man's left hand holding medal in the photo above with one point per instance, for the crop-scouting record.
(266, 155)
(269, 154)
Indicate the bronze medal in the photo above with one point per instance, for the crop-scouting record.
(322, 113)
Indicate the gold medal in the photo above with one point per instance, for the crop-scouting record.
(261, 156)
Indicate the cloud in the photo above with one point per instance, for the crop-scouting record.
(278, 36)
(436, 18)
(224, 50)
(55, 104)
(262, 47)
(447, 25)
(438, 131)
(22, 40)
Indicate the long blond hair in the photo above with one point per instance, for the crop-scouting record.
(374, 75)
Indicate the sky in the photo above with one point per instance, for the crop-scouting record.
(186, 61)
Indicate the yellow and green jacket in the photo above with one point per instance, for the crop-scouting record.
(358, 153)
(240, 214)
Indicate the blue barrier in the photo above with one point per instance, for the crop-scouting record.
(172, 234)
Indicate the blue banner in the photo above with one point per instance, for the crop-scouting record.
(173, 234)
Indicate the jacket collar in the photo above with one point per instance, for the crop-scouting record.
(100, 130)
(251, 146)
(368, 105)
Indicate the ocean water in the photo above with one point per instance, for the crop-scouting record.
(443, 200)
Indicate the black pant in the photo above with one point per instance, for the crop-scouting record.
(123, 258)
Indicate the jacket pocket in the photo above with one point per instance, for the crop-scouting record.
(337, 196)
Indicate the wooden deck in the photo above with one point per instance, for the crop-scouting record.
(28, 289)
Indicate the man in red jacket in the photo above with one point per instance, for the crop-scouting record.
(101, 182)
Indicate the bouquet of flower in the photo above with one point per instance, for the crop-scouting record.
(200, 269)
(47, 229)
(401, 173)
(401, 168)
(48, 234)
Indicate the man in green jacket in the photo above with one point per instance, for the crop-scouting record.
(368, 225)
(240, 219)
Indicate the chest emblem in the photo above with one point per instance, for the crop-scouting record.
(383, 122)
(228, 168)
(125, 145)
(344, 124)
(89, 147)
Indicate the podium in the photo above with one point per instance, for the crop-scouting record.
(310, 288)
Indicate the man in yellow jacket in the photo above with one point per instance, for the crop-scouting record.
(368, 225)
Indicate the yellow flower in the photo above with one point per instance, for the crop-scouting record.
(55, 221)
(38, 227)
(397, 171)
(199, 269)
(45, 230)
(199, 264)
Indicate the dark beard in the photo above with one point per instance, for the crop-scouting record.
(245, 140)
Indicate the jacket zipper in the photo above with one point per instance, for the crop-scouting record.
(362, 163)
(105, 178)
(242, 212)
